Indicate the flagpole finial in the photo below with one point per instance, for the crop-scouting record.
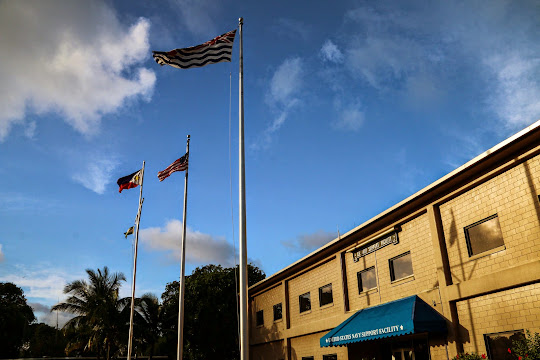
(241, 21)
(188, 136)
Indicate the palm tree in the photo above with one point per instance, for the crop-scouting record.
(100, 314)
(150, 313)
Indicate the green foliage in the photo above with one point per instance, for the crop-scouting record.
(210, 313)
(100, 324)
(471, 356)
(527, 348)
(44, 340)
(15, 317)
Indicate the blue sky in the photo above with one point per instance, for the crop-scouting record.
(350, 107)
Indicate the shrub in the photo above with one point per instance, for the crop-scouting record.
(527, 348)
(472, 356)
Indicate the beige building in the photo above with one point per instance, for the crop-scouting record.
(463, 252)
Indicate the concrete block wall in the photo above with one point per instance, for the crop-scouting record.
(513, 309)
(311, 281)
(270, 330)
(308, 345)
(513, 196)
(268, 351)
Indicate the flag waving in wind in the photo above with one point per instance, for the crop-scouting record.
(179, 165)
(216, 50)
(130, 181)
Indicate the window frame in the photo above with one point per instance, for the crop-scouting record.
(321, 294)
(308, 357)
(280, 311)
(303, 296)
(359, 279)
(391, 266)
(329, 356)
(257, 318)
(468, 238)
(489, 350)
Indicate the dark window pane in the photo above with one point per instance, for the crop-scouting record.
(330, 357)
(325, 295)
(307, 357)
(401, 266)
(305, 302)
(484, 236)
(277, 312)
(367, 280)
(260, 318)
(498, 344)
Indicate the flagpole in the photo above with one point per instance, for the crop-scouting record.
(244, 345)
(130, 341)
(180, 347)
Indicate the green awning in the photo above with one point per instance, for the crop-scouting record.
(410, 315)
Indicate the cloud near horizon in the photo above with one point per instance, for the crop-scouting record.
(2, 256)
(310, 242)
(200, 248)
(72, 58)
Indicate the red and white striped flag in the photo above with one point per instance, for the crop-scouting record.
(213, 51)
(179, 165)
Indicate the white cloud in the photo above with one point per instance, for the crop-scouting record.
(291, 28)
(2, 257)
(350, 116)
(330, 52)
(10, 201)
(73, 58)
(30, 130)
(41, 281)
(200, 248)
(197, 16)
(283, 97)
(44, 315)
(309, 242)
(97, 173)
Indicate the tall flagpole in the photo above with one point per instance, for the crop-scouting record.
(244, 344)
(130, 341)
(180, 347)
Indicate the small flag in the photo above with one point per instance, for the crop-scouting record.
(179, 165)
(216, 50)
(129, 232)
(130, 181)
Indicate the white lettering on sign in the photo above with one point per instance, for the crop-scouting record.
(367, 333)
(365, 250)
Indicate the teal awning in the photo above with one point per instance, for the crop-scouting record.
(410, 315)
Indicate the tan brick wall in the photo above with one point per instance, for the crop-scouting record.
(508, 310)
(309, 345)
(265, 302)
(513, 196)
(327, 273)
(269, 351)
(415, 236)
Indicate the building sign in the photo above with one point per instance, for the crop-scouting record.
(365, 334)
(374, 246)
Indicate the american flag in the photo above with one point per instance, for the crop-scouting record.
(213, 51)
(179, 165)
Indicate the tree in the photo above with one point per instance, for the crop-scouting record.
(102, 316)
(210, 313)
(44, 340)
(150, 317)
(15, 317)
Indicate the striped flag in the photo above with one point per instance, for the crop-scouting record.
(179, 165)
(216, 50)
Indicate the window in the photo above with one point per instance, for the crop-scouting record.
(400, 266)
(260, 318)
(497, 344)
(325, 295)
(330, 357)
(366, 280)
(484, 235)
(307, 357)
(305, 302)
(277, 312)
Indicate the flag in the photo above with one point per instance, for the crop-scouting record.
(216, 50)
(129, 232)
(130, 181)
(179, 165)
